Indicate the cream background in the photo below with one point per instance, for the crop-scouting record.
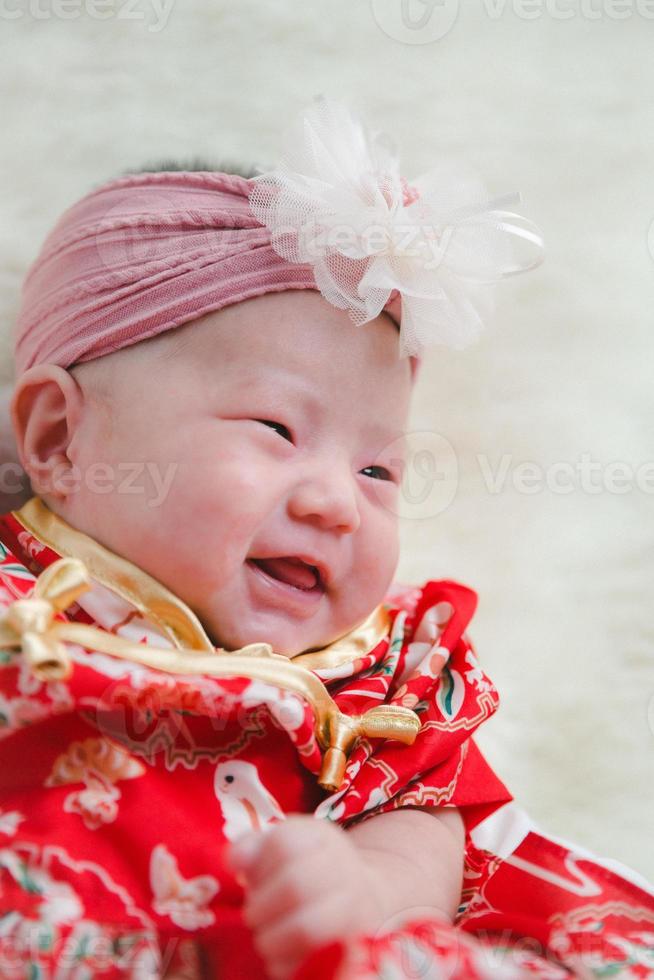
(560, 109)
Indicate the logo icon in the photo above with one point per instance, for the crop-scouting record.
(429, 474)
(415, 21)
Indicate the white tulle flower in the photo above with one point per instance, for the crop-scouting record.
(337, 201)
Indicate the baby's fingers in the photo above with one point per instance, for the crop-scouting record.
(244, 853)
(260, 855)
(285, 944)
(289, 889)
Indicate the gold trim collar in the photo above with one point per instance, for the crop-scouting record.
(157, 603)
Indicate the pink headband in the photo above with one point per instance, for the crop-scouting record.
(143, 254)
(149, 252)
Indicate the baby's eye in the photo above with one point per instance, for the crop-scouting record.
(377, 473)
(278, 427)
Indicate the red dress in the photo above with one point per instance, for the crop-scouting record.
(120, 787)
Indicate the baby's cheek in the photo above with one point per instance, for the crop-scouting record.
(383, 529)
(377, 557)
(225, 503)
(216, 478)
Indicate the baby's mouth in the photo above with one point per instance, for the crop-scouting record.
(291, 571)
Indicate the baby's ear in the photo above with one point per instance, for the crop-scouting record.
(46, 408)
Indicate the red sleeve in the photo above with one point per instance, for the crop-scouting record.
(431, 667)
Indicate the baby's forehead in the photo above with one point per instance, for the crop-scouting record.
(293, 329)
(291, 348)
(294, 338)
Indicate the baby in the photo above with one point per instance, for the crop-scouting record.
(276, 414)
(163, 336)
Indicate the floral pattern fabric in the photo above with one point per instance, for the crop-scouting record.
(120, 788)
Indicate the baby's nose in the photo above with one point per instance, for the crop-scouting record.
(329, 498)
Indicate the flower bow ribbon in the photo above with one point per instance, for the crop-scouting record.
(337, 201)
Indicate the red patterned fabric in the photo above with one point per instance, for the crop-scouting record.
(120, 788)
(547, 910)
(141, 778)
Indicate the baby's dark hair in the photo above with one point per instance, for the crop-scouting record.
(194, 165)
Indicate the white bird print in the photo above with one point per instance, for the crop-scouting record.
(245, 802)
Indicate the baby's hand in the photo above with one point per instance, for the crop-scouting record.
(307, 883)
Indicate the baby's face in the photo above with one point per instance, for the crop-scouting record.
(279, 421)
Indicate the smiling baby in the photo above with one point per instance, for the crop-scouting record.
(213, 332)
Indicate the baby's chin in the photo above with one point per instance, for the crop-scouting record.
(235, 618)
(286, 639)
